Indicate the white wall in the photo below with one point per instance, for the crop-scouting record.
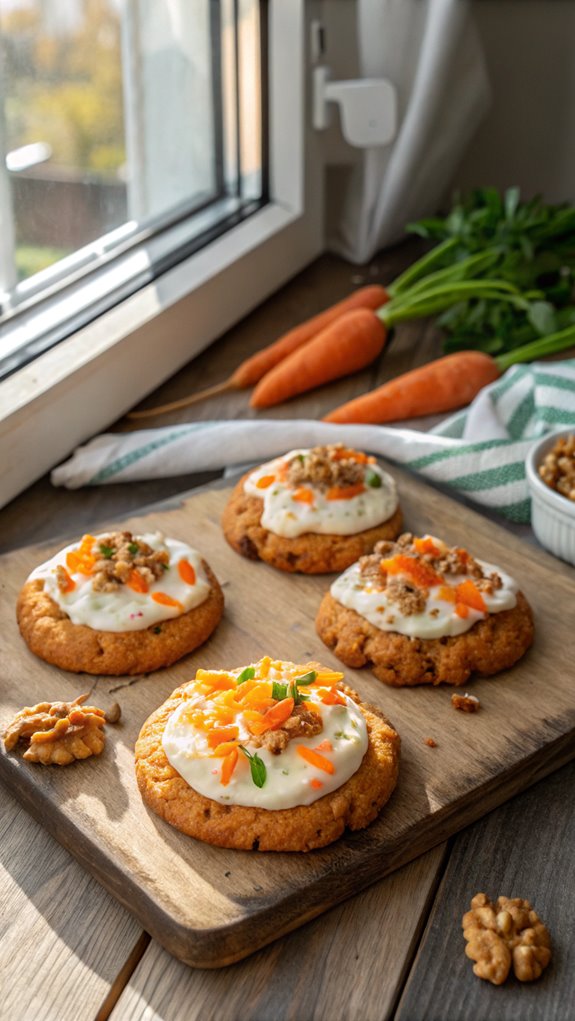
(528, 137)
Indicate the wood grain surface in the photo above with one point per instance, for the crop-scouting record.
(209, 906)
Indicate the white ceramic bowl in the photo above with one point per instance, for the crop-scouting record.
(552, 515)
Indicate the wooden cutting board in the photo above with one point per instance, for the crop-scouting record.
(209, 906)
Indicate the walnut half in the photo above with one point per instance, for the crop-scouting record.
(504, 933)
(57, 733)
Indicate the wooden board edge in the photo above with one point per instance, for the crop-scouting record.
(227, 944)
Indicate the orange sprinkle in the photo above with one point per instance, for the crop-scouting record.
(316, 784)
(347, 454)
(315, 759)
(223, 749)
(165, 600)
(137, 583)
(186, 572)
(265, 481)
(228, 766)
(325, 746)
(419, 573)
(303, 495)
(222, 734)
(345, 492)
(333, 697)
(426, 545)
(469, 594)
(69, 583)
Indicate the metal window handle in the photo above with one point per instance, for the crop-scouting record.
(368, 108)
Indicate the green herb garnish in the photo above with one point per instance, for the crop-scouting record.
(296, 694)
(133, 548)
(308, 678)
(257, 767)
(279, 691)
(246, 675)
(106, 551)
(372, 479)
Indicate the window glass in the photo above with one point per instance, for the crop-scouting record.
(122, 123)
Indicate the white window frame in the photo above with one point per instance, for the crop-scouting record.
(86, 382)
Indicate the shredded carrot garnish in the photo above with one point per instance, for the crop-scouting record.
(222, 734)
(223, 749)
(426, 545)
(315, 759)
(328, 677)
(333, 697)
(79, 562)
(345, 492)
(263, 667)
(447, 593)
(273, 718)
(348, 454)
(228, 766)
(325, 746)
(303, 495)
(137, 583)
(265, 481)
(165, 600)
(69, 583)
(419, 573)
(462, 610)
(316, 784)
(468, 593)
(186, 572)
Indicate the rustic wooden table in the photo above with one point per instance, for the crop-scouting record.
(70, 951)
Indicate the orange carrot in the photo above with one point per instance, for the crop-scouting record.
(315, 759)
(250, 371)
(254, 368)
(468, 594)
(186, 572)
(443, 385)
(165, 600)
(346, 345)
(136, 581)
(228, 766)
(345, 492)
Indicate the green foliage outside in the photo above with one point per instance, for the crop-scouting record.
(66, 89)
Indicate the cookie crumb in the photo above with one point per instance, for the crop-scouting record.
(429, 741)
(465, 703)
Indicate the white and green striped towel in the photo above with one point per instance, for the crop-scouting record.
(480, 452)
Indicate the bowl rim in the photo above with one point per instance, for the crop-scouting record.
(540, 489)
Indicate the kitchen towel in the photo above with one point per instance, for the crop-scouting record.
(480, 451)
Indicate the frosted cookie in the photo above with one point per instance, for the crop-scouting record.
(420, 612)
(119, 604)
(312, 511)
(272, 757)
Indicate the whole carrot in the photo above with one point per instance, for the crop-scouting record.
(252, 369)
(439, 386)
(346, 345)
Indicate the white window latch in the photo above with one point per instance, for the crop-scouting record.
(368, 108)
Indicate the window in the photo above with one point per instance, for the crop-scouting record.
(148, 291)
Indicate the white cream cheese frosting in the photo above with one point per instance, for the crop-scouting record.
(306, 770)
(290, 511)
(447, 607)
(178, 590)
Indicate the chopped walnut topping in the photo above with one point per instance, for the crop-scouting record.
(325, 467)
(465, 703)
(558, 467)
(371, 570)
(58, 732)
(408, 598)
(504, 933)
(302, 723)
(120, 554)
